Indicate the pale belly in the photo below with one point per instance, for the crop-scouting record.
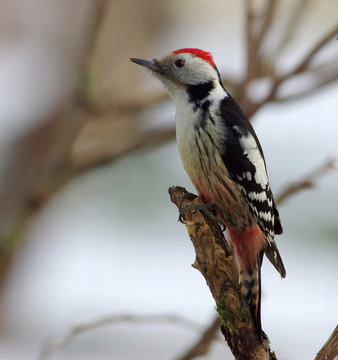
(204, 165)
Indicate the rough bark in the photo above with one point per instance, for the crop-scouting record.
(329, 351)
(215, 262)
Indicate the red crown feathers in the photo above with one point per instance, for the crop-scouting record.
(205, 55)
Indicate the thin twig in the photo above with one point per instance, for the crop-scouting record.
(87, 162)
(63, 340)
(330, 65)
(321, 83)
(130, 107)
(251, 44)
(307, 182)
(271, 7)
(304, 63)
(202, 347)
(278, 80)
(292, 22)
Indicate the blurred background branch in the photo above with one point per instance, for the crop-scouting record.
(102, 114)
(55, 345)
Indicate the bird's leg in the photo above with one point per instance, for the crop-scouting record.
(188, 196)
(209, 210)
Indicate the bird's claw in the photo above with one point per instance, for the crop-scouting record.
(185, 209)
(210, 210)
(206, 209)
(188, 196)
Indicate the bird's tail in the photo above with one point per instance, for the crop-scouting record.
(249, 249)
(250, 285)
(273, 255)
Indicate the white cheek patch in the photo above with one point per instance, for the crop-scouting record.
(196, 71)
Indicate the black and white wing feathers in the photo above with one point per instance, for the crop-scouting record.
(244, 159)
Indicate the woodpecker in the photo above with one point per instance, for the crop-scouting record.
(223, 157)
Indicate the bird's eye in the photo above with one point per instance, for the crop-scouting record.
(179, 63)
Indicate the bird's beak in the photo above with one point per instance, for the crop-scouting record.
(151, 65)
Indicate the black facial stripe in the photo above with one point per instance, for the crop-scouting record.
(205, 107)
(203, 115)
(199, 92)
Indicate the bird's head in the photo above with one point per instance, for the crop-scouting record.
(182, 69)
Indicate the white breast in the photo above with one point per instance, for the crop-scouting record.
(189, 141)
(185, 119)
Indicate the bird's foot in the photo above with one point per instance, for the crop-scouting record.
(185, 195)
(209, 210)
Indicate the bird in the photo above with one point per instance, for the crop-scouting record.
(223, 157)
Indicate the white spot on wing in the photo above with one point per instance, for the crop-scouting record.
(265, 215)
(259, 197)
(249, 145)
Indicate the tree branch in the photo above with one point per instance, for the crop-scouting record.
(321, 82)
(87, 161)
(271, 7)
(304, 63)
(292, 22)
(63, 340)
(215, 262)
(198, 226)
(302, 66)
(307, 182)
(37, 160)
(304, 183)
(35, 193)
(330, 349)
(130, 107)
(251, 43)
(202, 347)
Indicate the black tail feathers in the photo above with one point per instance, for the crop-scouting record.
(250, 284)
(273, 255)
